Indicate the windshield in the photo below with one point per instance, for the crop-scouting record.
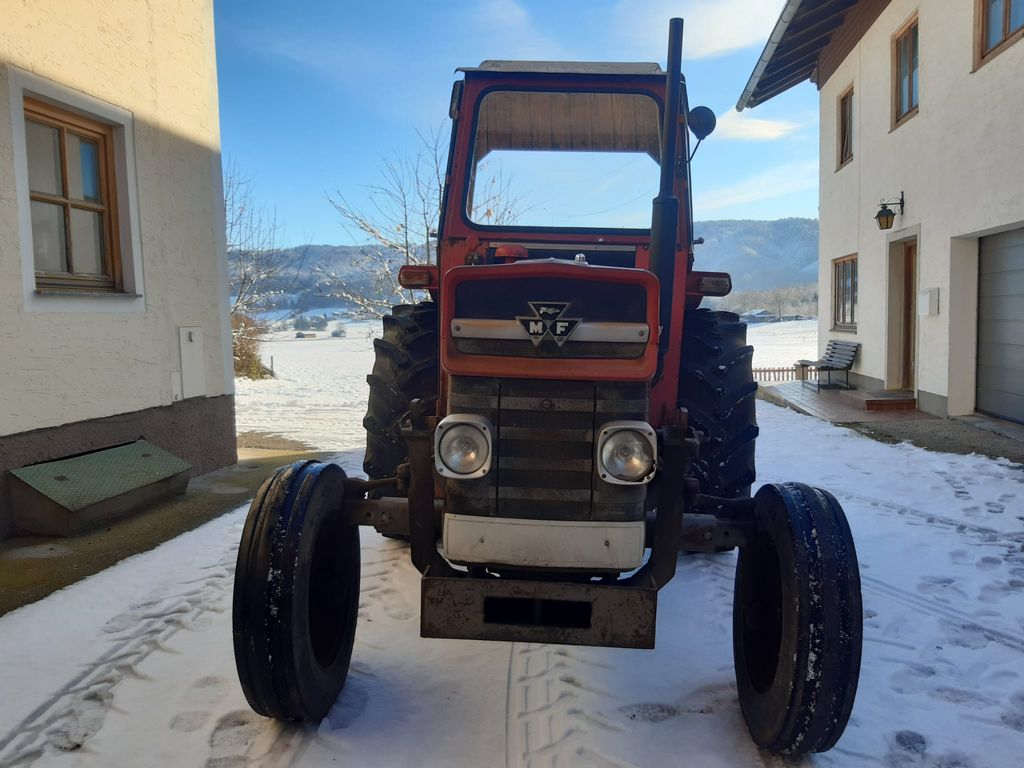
(555, 159)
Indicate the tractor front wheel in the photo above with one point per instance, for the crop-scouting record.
(797, 621)
(296, 594)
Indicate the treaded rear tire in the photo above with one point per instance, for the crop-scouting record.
(717, 387)
(405, 369)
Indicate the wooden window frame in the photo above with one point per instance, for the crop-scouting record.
(65, 121)
(839, 322)
(841, 161)
(983, 55)
(915, 97)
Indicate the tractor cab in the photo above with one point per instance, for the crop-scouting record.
(554, 157)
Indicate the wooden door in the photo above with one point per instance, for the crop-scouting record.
(909, 314)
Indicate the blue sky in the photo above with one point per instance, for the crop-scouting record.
(315, 95)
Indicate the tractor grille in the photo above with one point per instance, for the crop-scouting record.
(543, 466)
(608, 319)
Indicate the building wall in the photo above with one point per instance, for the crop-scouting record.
(69, 360)
(958, 163)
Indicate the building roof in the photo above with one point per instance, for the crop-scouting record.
(803, 30)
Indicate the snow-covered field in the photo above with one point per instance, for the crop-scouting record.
(134, 667)
(319, 395)
(777, 345)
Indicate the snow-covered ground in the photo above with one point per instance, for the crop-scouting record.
(319, 395)
(134, 667)
(777, 345)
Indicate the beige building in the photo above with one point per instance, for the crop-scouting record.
(921, 100)
(113, 285)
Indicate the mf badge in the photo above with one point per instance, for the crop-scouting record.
(549, 321)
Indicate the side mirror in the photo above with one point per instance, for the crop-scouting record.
(701, 121)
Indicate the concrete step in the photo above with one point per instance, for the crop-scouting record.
(883, 400)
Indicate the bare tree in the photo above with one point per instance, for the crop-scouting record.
(400, 221)
(258, 271)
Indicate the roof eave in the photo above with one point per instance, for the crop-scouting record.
(785, 19)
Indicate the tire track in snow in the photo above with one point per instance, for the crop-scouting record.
(988, 535)
(378, 587)
(76, 712)
(548, 717)
(961, 620)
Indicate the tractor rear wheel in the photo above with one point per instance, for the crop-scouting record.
(797, 621)
(405, 369)
(717, 387)
(296, 594)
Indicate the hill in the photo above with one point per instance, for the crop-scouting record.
(760, 255)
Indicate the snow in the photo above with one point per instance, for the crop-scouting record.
(134, 666)
(319, 393)
(778, 345)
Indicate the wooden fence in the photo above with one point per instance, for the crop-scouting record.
(788, 373)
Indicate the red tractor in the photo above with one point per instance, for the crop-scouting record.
(552, 429)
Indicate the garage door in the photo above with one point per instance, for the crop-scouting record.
(1001, 326)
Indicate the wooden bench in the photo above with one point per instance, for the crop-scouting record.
(838, 356)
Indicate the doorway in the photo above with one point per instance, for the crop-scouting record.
(901, 317)
(909, 341)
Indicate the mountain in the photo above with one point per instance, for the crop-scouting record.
(758, 254)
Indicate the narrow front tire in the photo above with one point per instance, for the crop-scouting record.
(296, 594)
(797, 621)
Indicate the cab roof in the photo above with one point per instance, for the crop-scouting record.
(567, 67)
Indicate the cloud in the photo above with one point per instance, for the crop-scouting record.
(775, 182)
(713, 27)
(512, 34)
(346, 62)
(742, 127)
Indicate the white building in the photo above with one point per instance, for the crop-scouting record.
(113, 285)
(923, 99)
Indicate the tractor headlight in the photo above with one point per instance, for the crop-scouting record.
(462, 446)
(627, 452)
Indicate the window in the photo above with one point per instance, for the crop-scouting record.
(844, 293)
(72, 198)
(1000, 23)
(845, 128)
(905, 73)
(582, 160)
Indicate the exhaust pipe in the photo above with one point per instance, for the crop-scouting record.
(665, 214)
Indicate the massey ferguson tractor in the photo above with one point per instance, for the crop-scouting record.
(552, 429)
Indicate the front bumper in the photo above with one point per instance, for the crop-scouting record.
(577, 544)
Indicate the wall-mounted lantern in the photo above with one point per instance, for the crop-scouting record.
(885, 215)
